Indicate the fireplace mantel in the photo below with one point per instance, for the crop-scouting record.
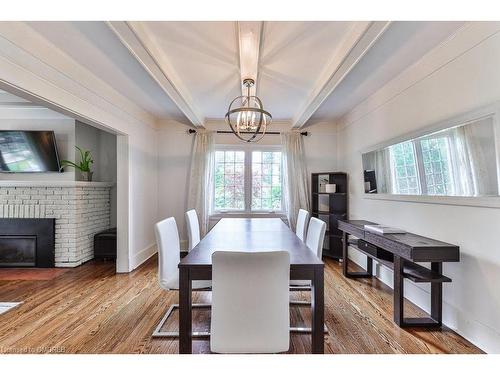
(14, 183)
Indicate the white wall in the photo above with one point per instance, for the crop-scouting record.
(102, 145)
(458, 76)
(39, 72)
(22, 118)
(174, 157)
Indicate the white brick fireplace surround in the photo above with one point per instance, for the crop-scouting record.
(81, 209)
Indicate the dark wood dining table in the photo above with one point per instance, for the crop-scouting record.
(251, 235)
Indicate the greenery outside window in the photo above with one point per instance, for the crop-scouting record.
(248, 179)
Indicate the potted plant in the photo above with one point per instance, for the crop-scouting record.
(83, 166)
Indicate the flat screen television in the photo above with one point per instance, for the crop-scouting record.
(28, 151)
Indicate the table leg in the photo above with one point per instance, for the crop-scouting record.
(185, 313)
(398, 290)
(345, 254)
(369, 265)
(437, 295)
(318, 311)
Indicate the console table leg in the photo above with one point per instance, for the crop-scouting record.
(369, 265)
(398, 290)
(345, 254)
(437, 295)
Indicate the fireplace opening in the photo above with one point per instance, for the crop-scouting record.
(27, 242)
(17, 251)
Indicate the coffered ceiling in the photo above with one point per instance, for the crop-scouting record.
(190, 71)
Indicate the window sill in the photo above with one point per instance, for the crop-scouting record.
(488, 202)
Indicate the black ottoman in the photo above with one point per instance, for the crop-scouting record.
(105, 244)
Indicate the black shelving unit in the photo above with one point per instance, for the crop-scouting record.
(330, 207)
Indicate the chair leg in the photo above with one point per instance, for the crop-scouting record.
(175, 334)
(303, 329)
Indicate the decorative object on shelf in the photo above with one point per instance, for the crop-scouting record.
(330, 188)
(329, 203)
(84, 165)
(323, 180)
(249, 121)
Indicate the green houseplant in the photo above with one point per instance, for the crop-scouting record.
(84, 165)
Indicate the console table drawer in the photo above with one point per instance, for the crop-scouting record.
(367, 247)
(375, 251)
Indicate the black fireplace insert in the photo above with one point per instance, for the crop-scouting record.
(27, 242)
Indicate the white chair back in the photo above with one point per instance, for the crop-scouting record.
(301, 227)
(193, 228)
(316, 236)
(250, 302)
(169, 255)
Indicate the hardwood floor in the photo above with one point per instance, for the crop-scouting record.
(90, 309)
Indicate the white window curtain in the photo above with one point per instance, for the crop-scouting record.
(296, 187)
(201, 179)
(474, 174)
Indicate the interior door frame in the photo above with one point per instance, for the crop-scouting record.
(122, 165)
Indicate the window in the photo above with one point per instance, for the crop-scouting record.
(404, 168)
(266, 180)
(422, 166)
(248, 180)
(436, 166)
(229, 180)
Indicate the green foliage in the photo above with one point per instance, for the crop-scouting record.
(85, 161)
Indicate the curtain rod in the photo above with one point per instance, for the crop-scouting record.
(192, 131)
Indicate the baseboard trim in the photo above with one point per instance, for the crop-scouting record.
(143, 256)
(485, 338)
(73, 264)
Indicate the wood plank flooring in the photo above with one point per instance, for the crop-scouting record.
(90, 309)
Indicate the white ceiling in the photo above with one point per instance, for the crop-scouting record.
(94, 46)
(201, 56)
(191, 70)
(293, 57)
(400, 46)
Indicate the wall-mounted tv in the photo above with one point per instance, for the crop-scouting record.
(28, 151)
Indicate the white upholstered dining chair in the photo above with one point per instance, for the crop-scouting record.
(316, 236)
(193, 228)
(301, 227)
(167, 240)
(314, 242)
(250, 307)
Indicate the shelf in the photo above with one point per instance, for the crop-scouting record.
(330, 207)
(328, 213)
(321, 212)
(55, 183)
(329, 193)
(412, 271)
(419, 274)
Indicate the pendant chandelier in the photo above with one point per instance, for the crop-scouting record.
(249, 121)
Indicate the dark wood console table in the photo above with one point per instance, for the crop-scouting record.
(400, 252)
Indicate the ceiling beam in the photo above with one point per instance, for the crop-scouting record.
(162, 74)
(249, 38)
(360, 40)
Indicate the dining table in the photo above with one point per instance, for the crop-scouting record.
(251, 235)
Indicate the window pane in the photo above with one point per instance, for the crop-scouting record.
(437, 167)
(229, 180)
(404, 165)
(266, 180)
